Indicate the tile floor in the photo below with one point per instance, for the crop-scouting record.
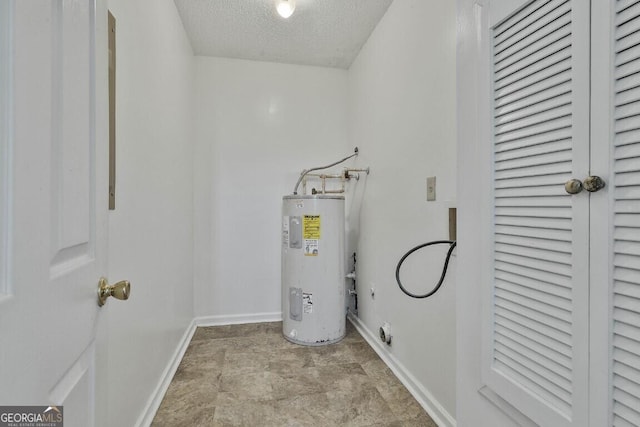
(249, 375)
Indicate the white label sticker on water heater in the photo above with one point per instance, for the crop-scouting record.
(285, 231)
(307, 303)
(311, 247)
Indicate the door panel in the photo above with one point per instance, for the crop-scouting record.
(615, 229)
(625, 218)
(563, 306)
(58, 206)
(74, 387)
(536, 350)
(72, 232)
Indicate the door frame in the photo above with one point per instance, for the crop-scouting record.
(601, 224)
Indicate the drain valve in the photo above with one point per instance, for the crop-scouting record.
(385, 333)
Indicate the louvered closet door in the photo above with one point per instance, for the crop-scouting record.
(615, 228)
(536, 346)
(625, 302)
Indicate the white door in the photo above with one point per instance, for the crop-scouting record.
(54, 204)
(562, 340)
(536, 340)
(615, 214)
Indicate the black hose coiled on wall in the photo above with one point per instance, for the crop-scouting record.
(444, 269)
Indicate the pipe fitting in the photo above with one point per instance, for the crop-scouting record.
(385, 333)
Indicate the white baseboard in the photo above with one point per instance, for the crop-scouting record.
(235, 319)
(154, 401)
(424, 397)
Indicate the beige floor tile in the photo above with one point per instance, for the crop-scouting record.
(401, 402)
(284, 360)
(379, 372)
(246, 362)
(296, 382)
(346, 378)
(197, 391)
(210, 349)
(246, 414)
(362, 352)
(236, 331)
(208, 371)
(187, 413)
(306, 410)
(331, 354)
(249, 375)
(236, 388)
(363, 408)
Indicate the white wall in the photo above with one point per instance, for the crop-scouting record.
(258, 125)
(151, 231)
(402, 116)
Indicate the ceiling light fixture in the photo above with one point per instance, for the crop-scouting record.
(285, 7)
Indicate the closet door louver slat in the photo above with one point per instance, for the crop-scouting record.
(625, 310)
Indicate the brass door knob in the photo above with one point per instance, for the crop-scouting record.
(120, 290)
(593, 183)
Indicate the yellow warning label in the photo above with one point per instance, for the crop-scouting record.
(311, 227)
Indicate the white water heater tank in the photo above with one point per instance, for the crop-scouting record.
(313, 269)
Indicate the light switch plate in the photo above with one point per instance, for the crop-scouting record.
(431, 188)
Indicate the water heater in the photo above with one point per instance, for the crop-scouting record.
(313, 269)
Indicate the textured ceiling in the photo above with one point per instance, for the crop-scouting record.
(325, 33)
